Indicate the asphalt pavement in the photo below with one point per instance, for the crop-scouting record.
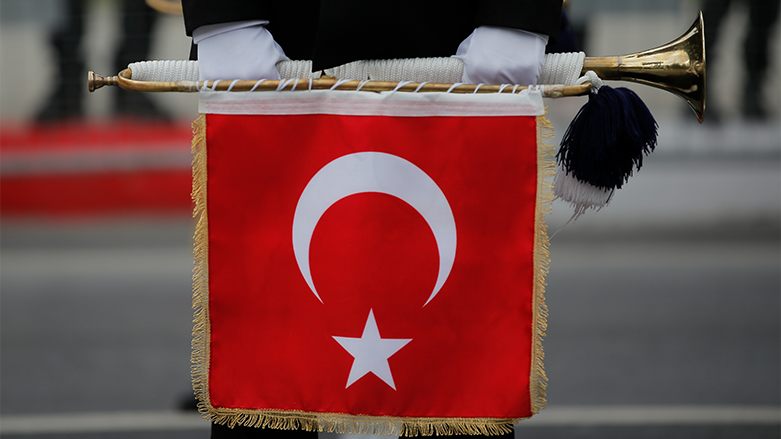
(96, 321)
(665, 315)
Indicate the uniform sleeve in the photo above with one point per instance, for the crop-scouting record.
(538, 16)
(204, 12)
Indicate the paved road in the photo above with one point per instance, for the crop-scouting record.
(664, 316)
(96, 319)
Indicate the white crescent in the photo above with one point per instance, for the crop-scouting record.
(374, 172)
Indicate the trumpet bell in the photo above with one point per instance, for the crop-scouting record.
(677, 67)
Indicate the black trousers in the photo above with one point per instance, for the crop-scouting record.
(223, 432)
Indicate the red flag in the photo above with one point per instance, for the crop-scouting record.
(371, 263)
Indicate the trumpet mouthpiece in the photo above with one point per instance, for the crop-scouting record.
(96, 81)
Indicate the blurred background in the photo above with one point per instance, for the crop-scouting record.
(665, 307)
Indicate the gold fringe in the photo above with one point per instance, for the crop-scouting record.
(363, 424)
(200, 344)
(359, 424)
(546, 163)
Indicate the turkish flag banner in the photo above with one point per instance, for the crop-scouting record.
(371, 262)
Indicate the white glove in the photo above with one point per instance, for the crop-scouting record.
(237, 50)
(500, 55)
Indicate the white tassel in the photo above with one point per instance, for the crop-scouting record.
(582, 196)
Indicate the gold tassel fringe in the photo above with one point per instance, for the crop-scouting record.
(200, 344)
(357, 424)
(546, 163)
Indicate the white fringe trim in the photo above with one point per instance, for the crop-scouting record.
(582, 196)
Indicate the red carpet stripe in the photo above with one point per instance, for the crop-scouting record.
(88, 169)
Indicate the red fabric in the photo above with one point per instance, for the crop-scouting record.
(16, 138)
(83, 170)
(140, 192)
(272, 341)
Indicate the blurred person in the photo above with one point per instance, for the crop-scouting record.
(567, 41)
(762, 17)
(500, 42)
(65, 101)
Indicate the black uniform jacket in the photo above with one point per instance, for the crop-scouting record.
(335, 32)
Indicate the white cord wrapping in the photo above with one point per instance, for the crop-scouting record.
(297, 69)
(164, 71)
(562, 68)
(444, 70)
(559, 68)
(353, 70)
(257, 83)
(592, 78)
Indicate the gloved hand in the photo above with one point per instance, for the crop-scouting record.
(499, 55)
(237, 50)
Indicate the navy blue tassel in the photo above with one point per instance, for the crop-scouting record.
(608, 138)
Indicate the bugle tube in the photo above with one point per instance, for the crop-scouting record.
(124, 80)
(677, 67)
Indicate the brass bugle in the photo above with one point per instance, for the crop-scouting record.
(124, 80)
(677, 67)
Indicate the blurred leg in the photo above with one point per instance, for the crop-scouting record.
(763, 15)
(137, 23)
(65, 99)
(714, 12)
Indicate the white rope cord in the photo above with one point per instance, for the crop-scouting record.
(559, 68)
(446, 70)
(297, 69)
(562, 68)
(402, 84)
(338, 83)
(282, 84)
(592, 78)
(257, 83)
(353, 70)
(164, 71)
(360, 86)
(452, 87)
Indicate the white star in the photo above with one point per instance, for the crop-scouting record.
(371, 353)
